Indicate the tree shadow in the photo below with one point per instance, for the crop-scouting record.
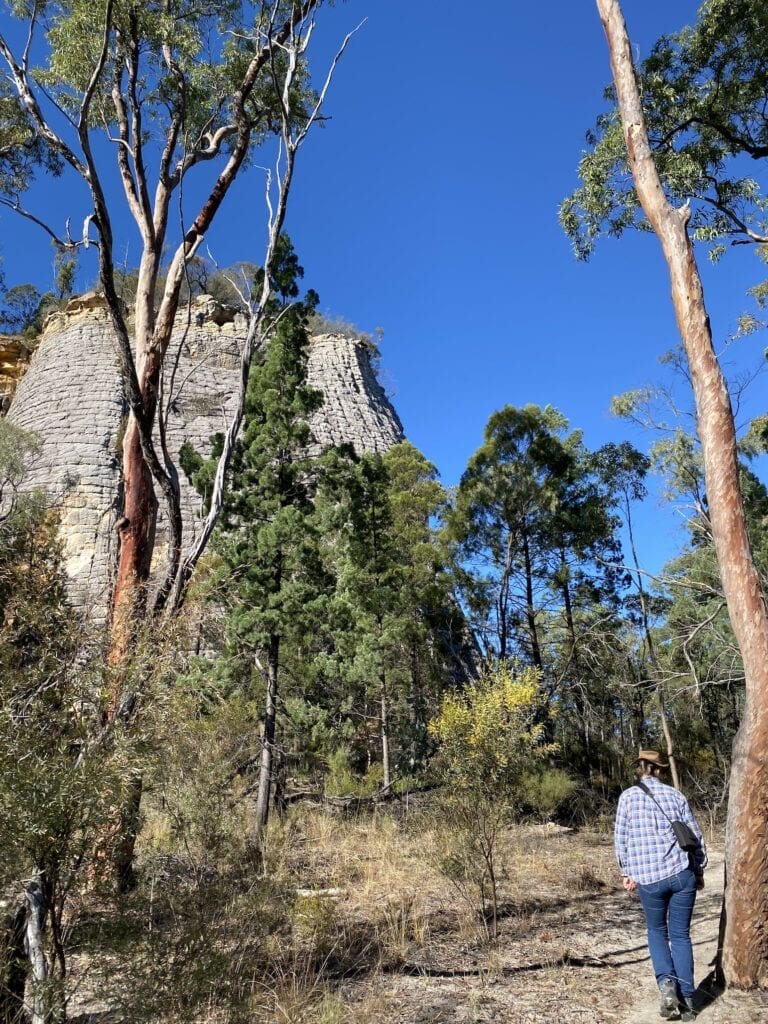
(708, 992)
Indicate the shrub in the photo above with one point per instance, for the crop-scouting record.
(491, 736)
(545, 792)
(341, 780)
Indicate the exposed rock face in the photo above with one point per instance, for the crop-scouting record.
(356, 410)
(14, 358)
(72, 397)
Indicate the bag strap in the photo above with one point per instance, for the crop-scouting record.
(650, 794)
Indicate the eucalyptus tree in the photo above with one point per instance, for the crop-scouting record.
(535, 547)
(703, 97)
(745, 942)
(503, 498)
(162, 94)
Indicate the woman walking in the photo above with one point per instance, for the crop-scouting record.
(665, 876)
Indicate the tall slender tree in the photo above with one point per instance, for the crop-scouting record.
(745, 938)
(268, 545)
(527, 518)
(624, 469)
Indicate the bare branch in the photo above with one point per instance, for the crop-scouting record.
(258, 331)
(147, 222)
(64, 243)
(326, 85)
(753, 237)
(124, 146)
(691, 637)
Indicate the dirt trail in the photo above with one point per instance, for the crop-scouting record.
(571, 950)
(579, 960)
(723, 1008)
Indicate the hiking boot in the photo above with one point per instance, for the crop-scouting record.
(687, 1010)
(670, 1001)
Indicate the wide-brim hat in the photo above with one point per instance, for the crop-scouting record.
(651, 757)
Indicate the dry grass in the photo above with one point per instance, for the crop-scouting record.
(384, 874)
(355, 923)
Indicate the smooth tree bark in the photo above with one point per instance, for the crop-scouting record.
(266, 765)
(744, 955)
(36, 914)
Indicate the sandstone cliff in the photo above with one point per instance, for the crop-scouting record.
(14, 357)
(71, 396)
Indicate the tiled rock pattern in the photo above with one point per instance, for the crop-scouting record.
(356, 408)
(71, 396)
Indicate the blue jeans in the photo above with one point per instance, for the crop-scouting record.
(668, 907)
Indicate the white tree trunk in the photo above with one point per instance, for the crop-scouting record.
(36, 952)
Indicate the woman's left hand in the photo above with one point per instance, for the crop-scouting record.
(629, 884)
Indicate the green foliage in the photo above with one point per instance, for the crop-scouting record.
(196, 789)
(393, 624)
(703, 92)
(65, 268)
(178, 86)
(186, 70)
(267, 541)
(18, 449)
(490, 732)
(546, 792)
(341, 780)
(59, 784)
(689, 654)
(528, 518)
(537, 552)
(491, 737)
(21, 310)
(22, 152)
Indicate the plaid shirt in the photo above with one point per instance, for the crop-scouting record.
(645, 844)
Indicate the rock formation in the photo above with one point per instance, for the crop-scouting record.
(14, 357)
(71, 396)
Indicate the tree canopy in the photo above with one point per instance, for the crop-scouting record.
(703, 95)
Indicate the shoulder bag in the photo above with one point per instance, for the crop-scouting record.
(686, 838)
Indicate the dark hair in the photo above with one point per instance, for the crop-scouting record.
(644, 767)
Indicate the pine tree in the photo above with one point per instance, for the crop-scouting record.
(270, 573)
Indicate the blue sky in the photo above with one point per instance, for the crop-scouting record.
(427, 205)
